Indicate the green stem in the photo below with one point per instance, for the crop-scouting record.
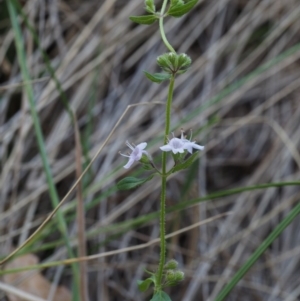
(162, 214)
(161, 27)
(168, 113)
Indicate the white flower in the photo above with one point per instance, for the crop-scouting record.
(189, 145)
(175, 145)
(179, 145)
(137, 152)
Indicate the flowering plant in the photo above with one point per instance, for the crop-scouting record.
(172, 65)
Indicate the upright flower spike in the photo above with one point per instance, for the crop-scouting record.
(136, 154)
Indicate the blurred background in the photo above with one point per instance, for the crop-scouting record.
(240, 98)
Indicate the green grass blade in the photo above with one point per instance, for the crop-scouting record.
(47, 61)
(258, 252)
(38, 131)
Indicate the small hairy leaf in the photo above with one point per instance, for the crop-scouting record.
(146, 20)
(132, 182)
(157, 77)
(160, 296)
(180, 9)
(150, 6)
(144, 284)
(186, 163)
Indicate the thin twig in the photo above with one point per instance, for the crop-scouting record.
(30, 238)
(110, 253)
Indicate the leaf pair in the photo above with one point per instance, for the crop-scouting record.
(177, 9)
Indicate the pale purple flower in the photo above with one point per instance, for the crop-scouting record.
(179, 145)
(175, 145)
(137, 153)
(189, 145)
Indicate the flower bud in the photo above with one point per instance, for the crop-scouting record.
(173, 58)
(145, 159)
(171, 264)
(174, 63)
(171, 276)
(184, 61)
(164, 62)
(147, 162)
(179, 276)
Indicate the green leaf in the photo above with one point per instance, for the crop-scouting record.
(175, 2)
(180, 9)
(160, 296)
(147, 167)
(185, 164)
(182, 71)
(150, 6)
(144, 284)
(157, 77)
(132, 182)
(147, 19)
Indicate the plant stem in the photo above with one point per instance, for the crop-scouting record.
(162, 215)
(163, 190)
(161, 27)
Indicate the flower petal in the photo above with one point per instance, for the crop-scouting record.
(197, 146)
(137, 156)
(130, 162)
(190, 145)
(166, 148)
(142, 145)
(190, 149)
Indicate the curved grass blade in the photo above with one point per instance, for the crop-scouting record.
(258, 252)
(38, 131)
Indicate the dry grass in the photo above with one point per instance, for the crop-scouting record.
(99, 56)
